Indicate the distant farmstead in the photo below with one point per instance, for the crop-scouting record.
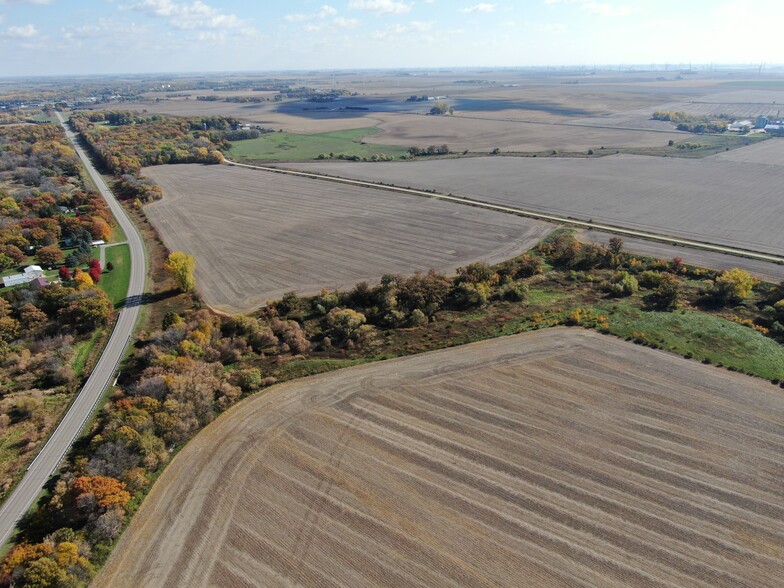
(31, 272)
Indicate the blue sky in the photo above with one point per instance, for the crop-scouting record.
(42, 37)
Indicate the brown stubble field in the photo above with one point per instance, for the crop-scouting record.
(475, 132)
(257, 235)
(555, 458)
(722, 201)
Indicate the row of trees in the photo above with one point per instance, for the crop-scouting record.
(431, 150)
(694, 123)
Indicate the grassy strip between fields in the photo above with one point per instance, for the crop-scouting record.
(83, 350)
(294, 147)
(115, 282)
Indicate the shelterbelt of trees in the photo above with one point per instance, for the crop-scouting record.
(694, 123)
(124, 142)
(47, 218)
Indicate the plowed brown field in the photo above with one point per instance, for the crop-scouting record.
(556, 458)
(257, 235)
(721, 201)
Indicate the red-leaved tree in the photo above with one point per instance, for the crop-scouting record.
(95, 273)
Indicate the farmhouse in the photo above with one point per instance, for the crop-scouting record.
(31, 272)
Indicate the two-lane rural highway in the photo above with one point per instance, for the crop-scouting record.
(48, 460)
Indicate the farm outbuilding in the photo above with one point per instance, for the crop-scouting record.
(31, 272)
(14, 280)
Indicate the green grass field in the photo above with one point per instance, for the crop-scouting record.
(118, 235)
(703, 336)
(115, 282)
(293, 147)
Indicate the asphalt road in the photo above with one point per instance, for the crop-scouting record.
(48, 460)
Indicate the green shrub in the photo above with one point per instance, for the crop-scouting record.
(622, 284)
(515, 291)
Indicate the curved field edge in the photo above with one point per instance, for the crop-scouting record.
(428, 469)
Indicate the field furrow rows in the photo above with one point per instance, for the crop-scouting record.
(499, 463)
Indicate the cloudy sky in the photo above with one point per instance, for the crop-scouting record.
(42, 37)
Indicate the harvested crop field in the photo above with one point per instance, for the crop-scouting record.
(716, 200)
(768, 152)
(257, 235)
(555, 458)
(477, 133)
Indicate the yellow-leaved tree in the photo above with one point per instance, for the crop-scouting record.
(733, 285)
(180, 267)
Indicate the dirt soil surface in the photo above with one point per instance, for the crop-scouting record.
(720, 201)
(768, 152)
(257, 235)
(555, 458)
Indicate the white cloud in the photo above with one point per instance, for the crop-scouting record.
(415, 26)
(211, 36)
(381, 6)
(552, 28)
(190, 15)
(322, 13)
(338, 22)
(24, 32)
(86, 31)
(481, 7)
(604, 9)
(346, 23)
(596, 8)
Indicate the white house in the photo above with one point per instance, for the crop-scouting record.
(31, 272)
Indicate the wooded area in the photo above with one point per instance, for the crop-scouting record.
(47, 217)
